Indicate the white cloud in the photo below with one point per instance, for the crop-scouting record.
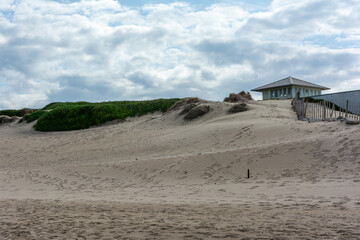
(353, 84)
(6, 5)
(101, 50)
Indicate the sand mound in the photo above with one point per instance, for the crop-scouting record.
(160, 177)
(183, 102)
(6, 119)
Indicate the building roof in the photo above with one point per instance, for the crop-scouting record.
(289, 81)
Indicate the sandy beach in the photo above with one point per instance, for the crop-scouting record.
(161, 177)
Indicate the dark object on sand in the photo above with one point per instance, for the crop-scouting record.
(352, 121)
(240, 97)
(6, 119)
(184, 102)
(241, 107)
(187, 108)
(197, 112)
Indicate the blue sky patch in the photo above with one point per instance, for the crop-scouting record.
(332, 42)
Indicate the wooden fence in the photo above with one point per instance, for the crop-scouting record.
(324, 110)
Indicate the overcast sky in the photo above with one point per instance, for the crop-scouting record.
(106, 50)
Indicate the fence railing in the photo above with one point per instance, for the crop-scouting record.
(324, 110)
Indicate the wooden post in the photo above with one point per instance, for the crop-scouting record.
(324, 110)
(312, 110)
(305, 108)
(298, 108)
(347, 108)
(328, 109)
(248, 173)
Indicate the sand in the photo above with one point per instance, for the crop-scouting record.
(160, 177)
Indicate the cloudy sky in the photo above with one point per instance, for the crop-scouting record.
(105, 50)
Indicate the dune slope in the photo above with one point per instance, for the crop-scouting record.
(166, 177)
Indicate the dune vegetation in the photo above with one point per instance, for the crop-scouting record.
(11, 113)
(67, 116)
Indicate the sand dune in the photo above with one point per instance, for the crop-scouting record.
(160, 177)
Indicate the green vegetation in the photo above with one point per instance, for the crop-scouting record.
(17, 113)
(67, 104)
(11, 113)
(80, 115)
(34, 115)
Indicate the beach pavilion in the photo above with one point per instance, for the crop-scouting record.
(288, 87)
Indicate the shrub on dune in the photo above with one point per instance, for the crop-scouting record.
(81, 115)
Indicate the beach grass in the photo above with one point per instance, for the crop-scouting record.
(65, 116)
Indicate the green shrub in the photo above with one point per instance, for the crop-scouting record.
(34, 115)
(11, 113)
(63, 104)
(81, 115)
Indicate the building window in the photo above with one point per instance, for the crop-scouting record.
(276, 93)
(272, 93)
(306, 94)
(280, 92)
(289, 91)
(284, 91)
